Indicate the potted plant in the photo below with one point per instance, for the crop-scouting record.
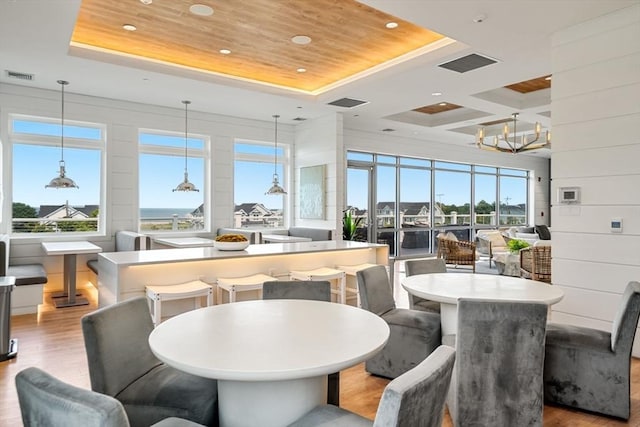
(349, 225)
(516, 244)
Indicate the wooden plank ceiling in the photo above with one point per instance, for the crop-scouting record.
(347, 37)
(532, 85)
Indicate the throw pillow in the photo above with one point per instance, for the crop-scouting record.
(451, 236)
(543, 232)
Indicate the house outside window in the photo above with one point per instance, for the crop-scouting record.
(253, 174)
(35, 156)
(161, 169)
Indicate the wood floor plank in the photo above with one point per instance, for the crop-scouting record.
(53, 341)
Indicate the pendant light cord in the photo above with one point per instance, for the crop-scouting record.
(62, 83)
(275, 158)
(186, 103)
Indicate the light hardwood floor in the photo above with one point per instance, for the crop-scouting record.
(53, 342)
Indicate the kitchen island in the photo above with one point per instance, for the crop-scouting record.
(124, 275)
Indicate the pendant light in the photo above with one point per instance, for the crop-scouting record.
(275, 186)
(62, 181)
(185, 185)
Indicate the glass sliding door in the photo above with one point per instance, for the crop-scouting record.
(415, 207)
(485, 192)
(359, 201)
(513, 197)
(386, 208)
(452, 210)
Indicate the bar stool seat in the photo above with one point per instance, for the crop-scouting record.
(351, 270)
(233, 285)
(324, 273)
(194, 289)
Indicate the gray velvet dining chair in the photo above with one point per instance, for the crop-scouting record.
(318, 290)
(589, 369)
(122, 365)
(424, 266)
(46, 401)
(413, 334)
(497, 380)
(315, 290)
(414, 399)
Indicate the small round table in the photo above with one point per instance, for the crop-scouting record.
(447, 288)
(271, 357)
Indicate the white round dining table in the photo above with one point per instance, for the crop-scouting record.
(447, 288)
(271, 357)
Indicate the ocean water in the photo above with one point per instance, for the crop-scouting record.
(163, 212)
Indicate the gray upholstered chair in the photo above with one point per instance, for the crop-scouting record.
(415, 398)
(47, 401)
(414, 334)
(318, 290)
(589, 369)
(497, 380)
(424, 266)
(122, 365)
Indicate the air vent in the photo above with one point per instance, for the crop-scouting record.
(20, 76)
(347, 102)
(388, 130)
(300, 119)
(468, 63)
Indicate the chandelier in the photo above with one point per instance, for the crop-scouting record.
(509, 142)
(275, 186)
(185, 185)
(62, 180)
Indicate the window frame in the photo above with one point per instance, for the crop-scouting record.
(53, 141)
(203, 153)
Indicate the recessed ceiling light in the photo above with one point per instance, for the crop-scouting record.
(225, 51)
(146, 1)
(391, 25)
(436, 94)
(201, 9)
(129, 27)
(301, 70)
(301, 39)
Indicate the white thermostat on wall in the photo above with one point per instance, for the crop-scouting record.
(569, 195)
(616, 225)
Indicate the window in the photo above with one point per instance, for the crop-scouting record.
(161, 169)
(412, 199)
(36, 153)
(252, 177)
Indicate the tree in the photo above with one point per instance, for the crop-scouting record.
(21, 210)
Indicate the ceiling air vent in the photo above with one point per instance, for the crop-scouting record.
(299, 119)
(20, 76)
(468, 63)
(388, 130)
(347, 102)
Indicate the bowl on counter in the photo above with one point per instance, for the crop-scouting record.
(231, 246)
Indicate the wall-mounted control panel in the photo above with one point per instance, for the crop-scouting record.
(568, 195)
(616, 225)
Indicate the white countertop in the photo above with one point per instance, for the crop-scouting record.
(206, 253)
(65, 248)
(269, 340)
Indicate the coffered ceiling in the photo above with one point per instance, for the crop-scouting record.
(447, 67)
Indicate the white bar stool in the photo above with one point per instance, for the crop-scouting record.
(351, 270)
(234, 285)
(324, 273)
(158, 293)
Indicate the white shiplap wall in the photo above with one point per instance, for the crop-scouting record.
(596, 146)
(123, 119)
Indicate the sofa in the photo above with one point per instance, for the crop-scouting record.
(124, 241)
(30, 281)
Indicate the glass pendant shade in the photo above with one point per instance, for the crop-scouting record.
(185, 185)
(275, 189)
(62, 181)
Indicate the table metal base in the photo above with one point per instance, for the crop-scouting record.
(64, 302)
(64, 294)
(13, 350)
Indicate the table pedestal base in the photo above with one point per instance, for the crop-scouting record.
(268, 403)
(448, 318)
(65, 302)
